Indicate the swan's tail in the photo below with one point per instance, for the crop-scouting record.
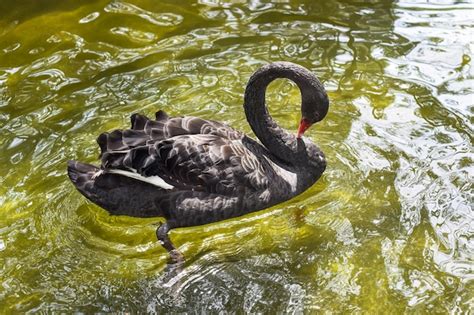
(82, 176)
(117, 194)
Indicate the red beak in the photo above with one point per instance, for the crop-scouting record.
(304, 125)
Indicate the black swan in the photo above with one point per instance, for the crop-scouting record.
(193, 171)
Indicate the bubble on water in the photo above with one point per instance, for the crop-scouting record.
(16, 158)
(89, 18)
(11, 48)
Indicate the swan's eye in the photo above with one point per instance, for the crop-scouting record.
(316, 117)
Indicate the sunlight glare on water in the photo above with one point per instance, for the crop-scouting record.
(388, 228)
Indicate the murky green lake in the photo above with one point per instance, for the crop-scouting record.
(389, 228)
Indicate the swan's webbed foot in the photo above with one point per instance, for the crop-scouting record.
(162, 234)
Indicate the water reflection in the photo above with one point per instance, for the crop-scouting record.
(388, 227)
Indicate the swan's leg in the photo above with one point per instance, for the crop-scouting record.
(163, 238)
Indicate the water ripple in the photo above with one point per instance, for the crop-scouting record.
(160, 19)
(388, 228)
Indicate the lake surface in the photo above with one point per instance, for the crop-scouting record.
(388, 228)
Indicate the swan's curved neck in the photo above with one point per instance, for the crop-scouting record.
(277, 140)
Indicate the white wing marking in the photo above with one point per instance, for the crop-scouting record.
(288, 176)
(154, 180)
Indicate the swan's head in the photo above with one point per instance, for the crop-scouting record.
(314, 105)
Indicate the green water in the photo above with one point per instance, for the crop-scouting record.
(389, 228)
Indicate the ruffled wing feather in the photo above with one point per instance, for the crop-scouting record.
(188, 153)
(145, 131)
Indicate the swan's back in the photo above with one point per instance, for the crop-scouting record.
(187, 169)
